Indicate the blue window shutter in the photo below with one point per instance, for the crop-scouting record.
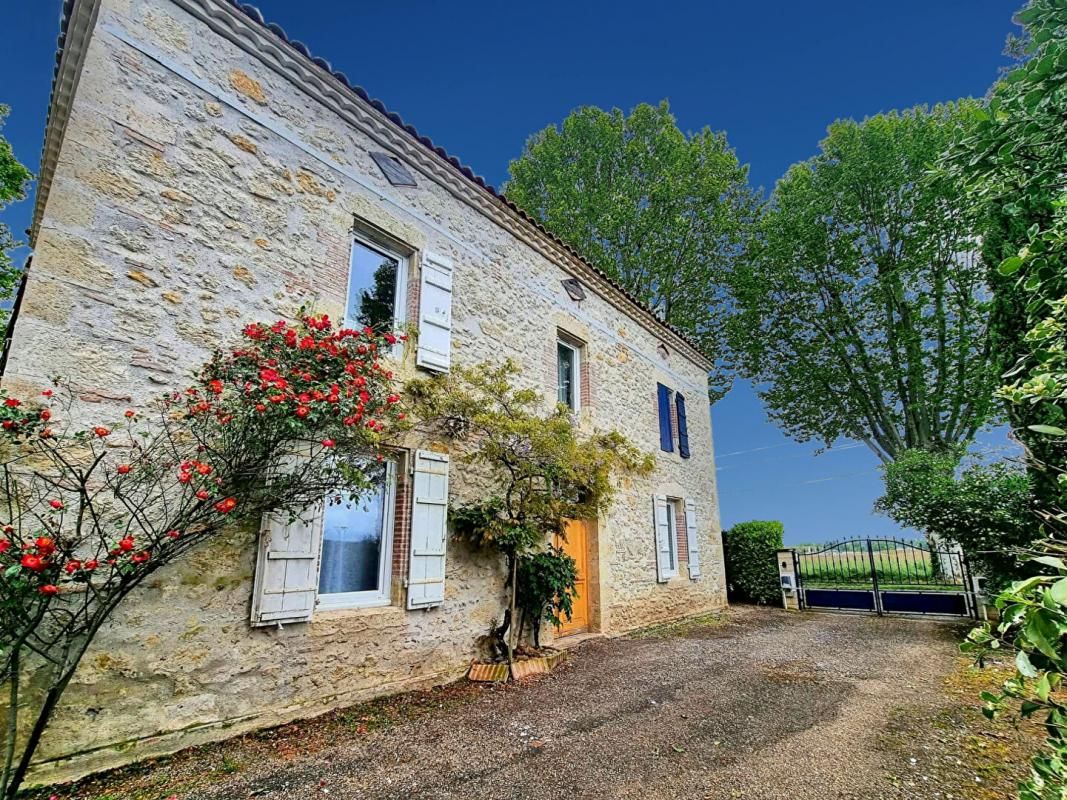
(666, 440)
(683, 426)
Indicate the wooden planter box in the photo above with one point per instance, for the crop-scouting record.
(520, 669)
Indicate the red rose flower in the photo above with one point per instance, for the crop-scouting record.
(215, 386)
(302, 411)
(130, 413)
(56, 504)
(226, 506)
(260, 407)
(72, 566)
(203, 469)
(91, 564)
(4, 545)
(203, 494)
(140, 558)
(12, 402)
(393, 398)
(7, 424)
(185, 477)
(123, 469)
(34, 563)
(101, 431)
(47, 393)
(126, 544)
(46, 433)
(45, 546)
(174, 534)
(49, 589)
(328, 443)
(46, 415)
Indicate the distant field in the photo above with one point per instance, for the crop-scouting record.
(895, 568)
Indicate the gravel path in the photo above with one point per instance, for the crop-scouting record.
(762, 705)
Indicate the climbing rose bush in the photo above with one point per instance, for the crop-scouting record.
(295, 413)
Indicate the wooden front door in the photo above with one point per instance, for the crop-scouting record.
(576, 545)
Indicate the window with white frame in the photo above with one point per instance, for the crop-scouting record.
(568, 374)
(673, 510)
(356, 563)
(377, 286)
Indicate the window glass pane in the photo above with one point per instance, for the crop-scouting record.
(371, 288)
(565, 368)
(352, 545)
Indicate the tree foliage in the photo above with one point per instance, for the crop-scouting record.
(750, 550)
(538, 472)
(661, 212)
(546, 588)
(14, 181)
(986, 509)
(861, 308)
(293, 415)
(1015, 167)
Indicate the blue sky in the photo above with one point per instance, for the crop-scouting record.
(479, 77)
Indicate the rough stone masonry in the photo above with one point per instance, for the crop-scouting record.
(209, 175)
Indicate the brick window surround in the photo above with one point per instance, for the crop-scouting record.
(401, 528)
(681, 531)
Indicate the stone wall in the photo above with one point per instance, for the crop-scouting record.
(198, 189)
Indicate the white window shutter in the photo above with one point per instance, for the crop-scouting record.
(435, 313)
(429, 530)
(287, 567)
(663, 538)
(691, 538)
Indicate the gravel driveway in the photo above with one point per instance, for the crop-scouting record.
(761, 705)
(758, 705)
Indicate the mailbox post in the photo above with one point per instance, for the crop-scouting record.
(787, 576)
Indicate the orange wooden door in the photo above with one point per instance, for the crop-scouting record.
(576, 545)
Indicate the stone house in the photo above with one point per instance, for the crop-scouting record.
(201, 171)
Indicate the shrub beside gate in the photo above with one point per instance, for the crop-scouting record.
(750, 550)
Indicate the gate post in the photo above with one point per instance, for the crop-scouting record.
(874, 580)
(787, 578)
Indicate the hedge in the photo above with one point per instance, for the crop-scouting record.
(751, 564)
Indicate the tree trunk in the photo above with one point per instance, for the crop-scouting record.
(34, 739)
(511, 630)
(12, 720)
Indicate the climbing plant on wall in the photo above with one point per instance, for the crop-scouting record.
(87, 513)
(538, 470)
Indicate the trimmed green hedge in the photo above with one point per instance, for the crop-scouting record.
(751, 565)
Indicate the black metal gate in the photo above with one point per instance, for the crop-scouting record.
(886, 576)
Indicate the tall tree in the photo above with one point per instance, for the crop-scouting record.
(661, 212)
(861, 305)
(1014, 170)
(14, 180)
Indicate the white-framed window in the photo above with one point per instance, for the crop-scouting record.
(568, 375)
(355, 568)
(377, 287)
(673, 510)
